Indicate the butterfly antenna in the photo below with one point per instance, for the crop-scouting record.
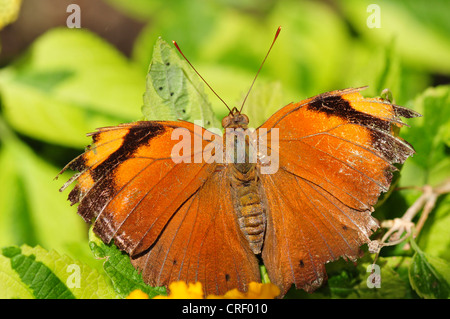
(179, 50)
(273, 42)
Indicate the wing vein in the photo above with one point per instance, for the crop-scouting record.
(314, 208)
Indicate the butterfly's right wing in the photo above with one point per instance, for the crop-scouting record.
(175, 219)
(129, 184)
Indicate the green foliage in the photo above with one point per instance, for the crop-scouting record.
(421, 28)
(435, 239)
(29, 212)
(431, 138)
(27, 272)
(174, 91)
(118, 267)
(60, 90)
(71, 81)
(351, 281)
(429, 276)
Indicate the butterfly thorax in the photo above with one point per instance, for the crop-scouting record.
(246, 188)
(237, 139)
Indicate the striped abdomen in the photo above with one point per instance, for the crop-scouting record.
(250, 212)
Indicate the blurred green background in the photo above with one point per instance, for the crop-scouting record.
(57, 84)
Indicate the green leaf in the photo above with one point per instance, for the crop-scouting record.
(69, 83)
(117, 265)
(301, 61)
(174, 91)
(264, 275)
(232, 84)
(430, 136)
(37, 273)
(392, 286)
(385, 72)
(429, 276)
(420, 29)
(189, 21)
(262, 102)
(11, 285)
(434, 237)
(32, 210)
(345, 280)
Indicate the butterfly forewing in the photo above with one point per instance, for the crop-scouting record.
(130, 185)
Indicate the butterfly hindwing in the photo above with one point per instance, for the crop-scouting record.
(202, 242)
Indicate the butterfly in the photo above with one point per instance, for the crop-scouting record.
(213, 221)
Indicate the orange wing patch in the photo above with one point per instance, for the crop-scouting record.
(126, 182)
(202, 242)
(308, 227)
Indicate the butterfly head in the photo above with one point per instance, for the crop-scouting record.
(235, 119)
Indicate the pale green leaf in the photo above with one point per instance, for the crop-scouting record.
(69, 83)
(33, 211)
(174, 91)
(429, 275)
(11, 286)
(118, 267)
(263, 101)
(48, 275)
(391, 285)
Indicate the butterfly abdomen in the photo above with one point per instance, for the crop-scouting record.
(249, 208)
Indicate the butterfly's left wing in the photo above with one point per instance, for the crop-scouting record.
(336, 152)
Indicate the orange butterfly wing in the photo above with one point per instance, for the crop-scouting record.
(175, 220)
(203, 243)
(336, 152)
(126, 182)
